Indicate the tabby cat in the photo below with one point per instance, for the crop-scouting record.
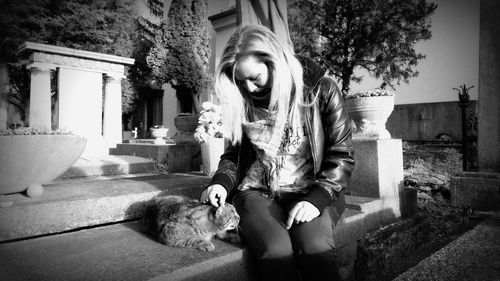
(181, 221)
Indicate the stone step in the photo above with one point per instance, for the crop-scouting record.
(109, 165)
(124, 252)
(180, 157)
(80, 210)
(83, 202)
(74, 203)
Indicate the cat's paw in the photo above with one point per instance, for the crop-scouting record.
(206, 246)
(232, 236)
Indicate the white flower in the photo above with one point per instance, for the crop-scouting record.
(209, 123)
(370, 93)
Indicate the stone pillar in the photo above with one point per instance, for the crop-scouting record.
(40, 106)
(489, 88)
(112, 130)
(480, 190)
(169, 111)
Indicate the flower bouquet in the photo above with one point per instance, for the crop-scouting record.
(209, 135)
(209, 123)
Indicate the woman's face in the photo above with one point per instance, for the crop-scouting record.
(253, 76)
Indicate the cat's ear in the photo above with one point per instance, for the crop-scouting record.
(219, 212)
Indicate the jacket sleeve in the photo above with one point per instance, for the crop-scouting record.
(338, 160)
(226, 171)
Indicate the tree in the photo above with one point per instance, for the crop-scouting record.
(99, 26)
(181, 51)
(376, 35)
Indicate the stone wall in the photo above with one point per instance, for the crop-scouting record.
(424, 121)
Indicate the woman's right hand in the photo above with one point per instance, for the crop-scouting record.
(216, 194)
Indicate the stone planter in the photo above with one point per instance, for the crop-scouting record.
(211, 151)
(28, 161)
(370, 115)
(186, 125)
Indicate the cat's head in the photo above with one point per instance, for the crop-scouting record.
(226, 217)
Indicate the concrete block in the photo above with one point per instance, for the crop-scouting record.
(350, 228)
(108, 165)
(408, 202)
(364, 215)
(378, 171)
(478, 190)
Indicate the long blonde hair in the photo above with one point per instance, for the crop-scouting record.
(286, 74)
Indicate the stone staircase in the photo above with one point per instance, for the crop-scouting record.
(85, 226)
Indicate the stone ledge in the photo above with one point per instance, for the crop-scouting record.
(480, 191)
(70, 204)
(179, 157)
(472, 256)
(117, 252)
(108, 165)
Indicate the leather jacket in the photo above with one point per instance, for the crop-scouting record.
(329, 129)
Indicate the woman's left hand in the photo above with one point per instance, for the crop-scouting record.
(303, 211)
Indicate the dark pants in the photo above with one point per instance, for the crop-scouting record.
(306, 250)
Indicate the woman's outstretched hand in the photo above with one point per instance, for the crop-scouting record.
(303, 211)
(216, 194)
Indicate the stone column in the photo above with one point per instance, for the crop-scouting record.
(112, 130)
(489, 88)
(40, 105)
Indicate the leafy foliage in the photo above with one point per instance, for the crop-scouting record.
(99, 26)
(28, 131)
(369, 93)
(376, 35)
(181, 49)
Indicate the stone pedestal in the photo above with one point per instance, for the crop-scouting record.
(378, 173)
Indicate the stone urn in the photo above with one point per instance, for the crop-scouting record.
(211, 150)
(186, 124)
(159, 133)
(29, 161)
(370, 114)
